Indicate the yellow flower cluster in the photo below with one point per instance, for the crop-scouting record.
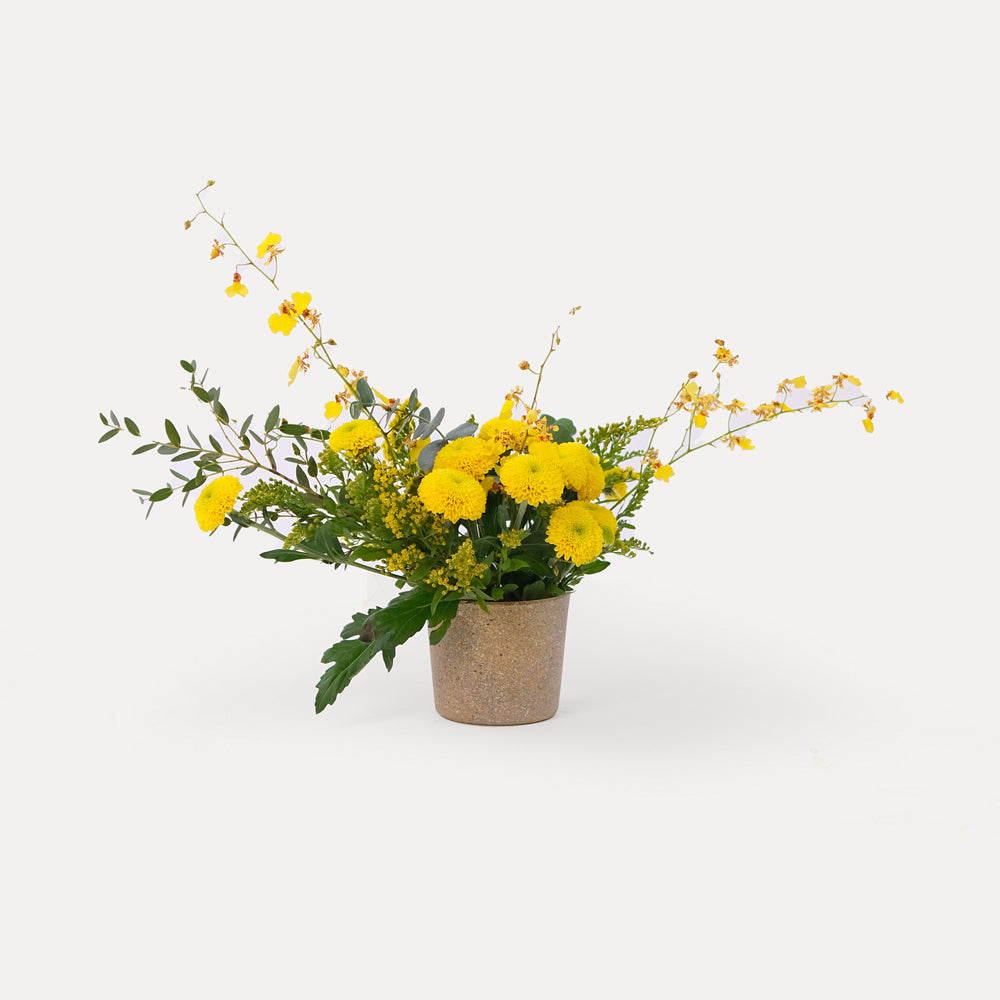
(472, 455)
(406, 560)
(453, 494)
(579, 530)
(532, 479)
(402, 513)
(355, 437)
(283, 321)
(459, 571)
(215, 501)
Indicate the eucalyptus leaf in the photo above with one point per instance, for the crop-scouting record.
(107, 435)
(220, 411)
(172, 436)
(167, 449)
(425, 460)
(131, 427)
(462, 430)
(142, 448)
(188, 366)
(161, 494)
(272, 419)
(365, 395)
(201, 394)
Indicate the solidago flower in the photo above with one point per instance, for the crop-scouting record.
(215, 501)
(283, 321)
(470, 454)
(532, 479)
(355, 437)
(237, 287)
(267, 246)
(453, 494)
(575, 533)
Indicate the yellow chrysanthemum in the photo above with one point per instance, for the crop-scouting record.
(532, 478)
(581, 469)
(575, 534)
(355, 437)
(470, 454)
(453, 494)
(215, 501)
(606, 521)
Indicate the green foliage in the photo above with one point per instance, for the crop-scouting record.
(381, 630)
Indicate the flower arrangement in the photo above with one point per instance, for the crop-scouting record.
(520, 507)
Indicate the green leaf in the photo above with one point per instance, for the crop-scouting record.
(313, 468)
(161, 494)
(215, 444)
(188, 366)
(197, 443)
(248, 470)
(194, 483)
(594, 567)
(201, 393)
(272, 420)
(462, 430)
(142, 448)
(365, 395)
(185, 455)
(167, 449)
(301, 477)
(256, 436)
(286, 555)
(246, 424)
(220, 411)
(294, 430)
(534, 591)
(114, 419)
(567, 429)
(428, 453)
(143, 493)
(382, 630)
(107, 435)
(130, 425)
(172, 436)
(104, 419)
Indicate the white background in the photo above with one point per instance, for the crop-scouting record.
(775, 766)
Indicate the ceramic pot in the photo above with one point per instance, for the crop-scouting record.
(501, 668)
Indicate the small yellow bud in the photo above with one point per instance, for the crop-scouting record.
(187, 223)
(208, 184)
(524, 366)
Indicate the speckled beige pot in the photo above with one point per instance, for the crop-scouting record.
(503, 668)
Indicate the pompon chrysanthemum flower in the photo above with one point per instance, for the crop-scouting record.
(215, 501)
(606, 521)
(470, 454)
(453, 494)
(581, 469)
(575, 534)
(532, 478)
(355, 437)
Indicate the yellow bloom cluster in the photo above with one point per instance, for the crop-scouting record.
(215, 501)
(459, 571)
(453, 494)
(533, 479)
(406, 560)
(283, 321)
(402, 513)
(472, 455)
(578, 531)
(355, 437)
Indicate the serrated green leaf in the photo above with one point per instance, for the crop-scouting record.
(107, 435)
(161, 494)
(272, 419)
(130, 426)
(172, 436)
